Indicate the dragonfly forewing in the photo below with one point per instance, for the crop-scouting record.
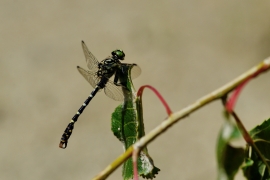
(91, 60)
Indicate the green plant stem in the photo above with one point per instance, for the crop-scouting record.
(175, 117)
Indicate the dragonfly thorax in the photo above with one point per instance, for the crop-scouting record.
(107, 67)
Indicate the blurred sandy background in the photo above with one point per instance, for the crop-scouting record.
(185, 49)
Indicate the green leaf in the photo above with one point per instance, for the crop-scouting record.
(229, 158)
(254, 167)
(128, 127)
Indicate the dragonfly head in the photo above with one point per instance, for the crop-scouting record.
(118, 54)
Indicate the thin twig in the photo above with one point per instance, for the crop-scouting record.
(175, 117)
(135, 154)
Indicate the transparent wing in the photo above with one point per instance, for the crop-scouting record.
(90, 76)
(113, 91)
(91, 60)
(135, 71)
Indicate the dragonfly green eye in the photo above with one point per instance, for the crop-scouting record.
(119, 54)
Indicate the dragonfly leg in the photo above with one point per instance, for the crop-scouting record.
(115, 79)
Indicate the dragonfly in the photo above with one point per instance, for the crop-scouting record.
(101, 75)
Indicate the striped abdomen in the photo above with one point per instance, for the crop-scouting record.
(68, 131)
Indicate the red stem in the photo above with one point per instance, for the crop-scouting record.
(140, 92)
(232, 100)
(135, 166)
